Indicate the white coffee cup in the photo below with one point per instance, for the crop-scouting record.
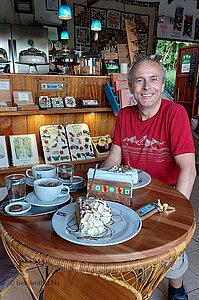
(41, 171)
(48, 189)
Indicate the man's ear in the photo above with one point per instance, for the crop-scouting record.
(163, 87)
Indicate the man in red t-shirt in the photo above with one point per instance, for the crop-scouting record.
(159, 140)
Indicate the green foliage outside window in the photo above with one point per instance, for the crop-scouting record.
(169, 52)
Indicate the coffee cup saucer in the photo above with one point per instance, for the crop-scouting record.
(32, 199)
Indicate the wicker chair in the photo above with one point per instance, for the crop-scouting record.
(67, 285)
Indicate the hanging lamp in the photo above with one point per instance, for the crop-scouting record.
(64, 35)
(96, 25)
(65, 12)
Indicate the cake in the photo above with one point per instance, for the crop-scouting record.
(126, 170)
(93, 215)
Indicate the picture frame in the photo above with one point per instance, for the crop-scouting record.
(23, 6)
(3, 153)
(70, 102)
(45, 102)
(23, 98)
(57, 102)
(24, 149)
(51, 86)
(52, 5)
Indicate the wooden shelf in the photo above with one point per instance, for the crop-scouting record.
(12, 170)
(57, 111)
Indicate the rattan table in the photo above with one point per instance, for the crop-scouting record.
(138, 264)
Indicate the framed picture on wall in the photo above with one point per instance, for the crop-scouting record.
(52, 5)
(23, 6)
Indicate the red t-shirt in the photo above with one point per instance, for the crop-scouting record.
(153, 143)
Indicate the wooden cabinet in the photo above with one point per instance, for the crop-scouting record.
(100, 120)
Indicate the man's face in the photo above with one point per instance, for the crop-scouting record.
(147, 84)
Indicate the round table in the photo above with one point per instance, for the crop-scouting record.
(138, 264)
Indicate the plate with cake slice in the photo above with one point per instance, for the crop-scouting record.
(95, 222)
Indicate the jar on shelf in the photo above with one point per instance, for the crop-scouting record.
(90, 64)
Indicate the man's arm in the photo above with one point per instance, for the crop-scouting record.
(114, 158)
(187, 174)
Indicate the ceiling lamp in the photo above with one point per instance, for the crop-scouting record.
(64, 35)
(65, 12)
(96, 25)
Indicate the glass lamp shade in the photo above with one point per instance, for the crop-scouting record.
(96, 25)
(65, 12)
(64, 35)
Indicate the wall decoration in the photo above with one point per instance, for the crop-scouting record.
(3, 153)
(113, 19)
(99, 14)
(126, 16)
(196, 36)
(178, 19)
(24, 149)
(82, 15)
(70, 101)
(54, 143)
(113, 27)
(188, 22)
(49, 86)
(82, 35)
(44, 102)
(52, 5)
(57, 102)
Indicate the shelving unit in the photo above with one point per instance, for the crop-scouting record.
(100, 120)
(57, 111)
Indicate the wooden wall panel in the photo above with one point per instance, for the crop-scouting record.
(90, 87)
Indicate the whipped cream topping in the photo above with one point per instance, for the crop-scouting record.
(126, 170)
(95, 214)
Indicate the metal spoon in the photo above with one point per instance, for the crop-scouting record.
(127, 154)
(91, 181)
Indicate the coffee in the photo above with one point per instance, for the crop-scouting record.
(41, 171)
(49, 184)
(65, 175)
(47, 168)
(48, 189)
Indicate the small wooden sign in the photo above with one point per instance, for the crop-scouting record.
(108, 56)
(49, 86)
(5, 90)
(23, 98)
(89, 103)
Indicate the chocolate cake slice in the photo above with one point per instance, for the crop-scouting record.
(93, 215)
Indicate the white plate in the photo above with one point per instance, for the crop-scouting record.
(126, 225)
(143, 180)
(32, 199)
(26, 207)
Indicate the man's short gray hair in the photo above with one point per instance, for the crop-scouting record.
(140, 58)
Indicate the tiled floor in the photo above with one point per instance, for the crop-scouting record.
(18, 290)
